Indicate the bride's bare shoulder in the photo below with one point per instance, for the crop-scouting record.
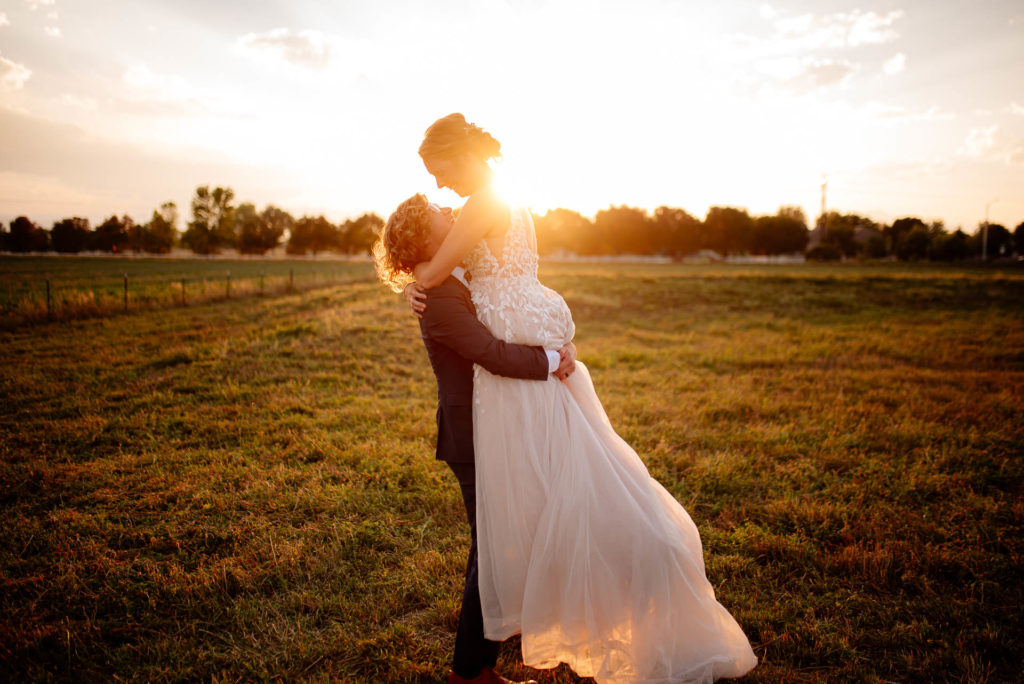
(485, 200)
(487, 207)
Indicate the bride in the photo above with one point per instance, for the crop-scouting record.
(579, 549)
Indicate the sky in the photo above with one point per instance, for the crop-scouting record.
(905, 108)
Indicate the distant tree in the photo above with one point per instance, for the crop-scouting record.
(936, 233)
(357, 236)
(159, 234)
(898, 231)
(277, 222)
(1018, 238)
(851, 234)
(260, 232)
(784, 233)
(728, 230)
(312, 234)
(868, 235)
(249, 224)
(70, 235)
(213, 221)
(25, 236)
(874, 247)
(561, 229)
(112, 235)
(796, 216)
(914, 245)
(621, 230)
(842, 236)
(951, 246)
(677, 232)
(1000, 241)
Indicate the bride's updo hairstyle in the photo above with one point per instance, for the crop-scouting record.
(451, 136)
(400, 246)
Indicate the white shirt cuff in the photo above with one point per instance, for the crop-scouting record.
(554, 360)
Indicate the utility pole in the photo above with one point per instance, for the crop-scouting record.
(821, 216)
(824, 190)
(984, 232)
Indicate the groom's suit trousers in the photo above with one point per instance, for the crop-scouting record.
(472, 651)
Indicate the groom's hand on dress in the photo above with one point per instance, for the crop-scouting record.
(568, 356)
(416, 298)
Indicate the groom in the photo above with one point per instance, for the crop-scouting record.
(456, 339)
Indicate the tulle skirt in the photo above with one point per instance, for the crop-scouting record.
(581, 551)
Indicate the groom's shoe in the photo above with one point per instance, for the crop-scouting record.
(486, 676)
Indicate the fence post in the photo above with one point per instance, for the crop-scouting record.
(126, 293)
(49, 305)
(183, 292)
(228, 281)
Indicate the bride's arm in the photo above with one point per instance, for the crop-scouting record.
(474, 222)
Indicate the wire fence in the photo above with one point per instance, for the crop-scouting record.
(39, 295)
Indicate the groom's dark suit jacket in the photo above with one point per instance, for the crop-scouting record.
(455, 339)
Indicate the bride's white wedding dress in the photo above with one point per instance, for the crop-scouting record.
(580, 550)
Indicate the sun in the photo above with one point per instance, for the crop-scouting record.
(509, 185)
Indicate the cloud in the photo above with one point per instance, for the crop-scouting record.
(895, 64)
(800, 53)
(843, 29)
(36, 4)
(935, 113)
(12, 74)
(988, 142)
(894, 114)
(4, 21)
(52, 31)
(86, 103)
(804, 74)
(1016, 109)
(52, 15)
(1015, 155)
(868, 27)
(309, 49)
(149, 85)
(827, 72)
(980, 140)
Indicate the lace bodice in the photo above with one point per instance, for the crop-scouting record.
(509, 298)
(518, 256)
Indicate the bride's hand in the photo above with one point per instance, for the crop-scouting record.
(416, 298)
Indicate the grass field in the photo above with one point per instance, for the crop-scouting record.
(245, 489)
(89, 286)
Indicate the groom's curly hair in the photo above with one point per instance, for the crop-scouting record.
(400, 246)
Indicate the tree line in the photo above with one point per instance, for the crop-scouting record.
(911, 239)
(675, 233)
(672, 232)
(217, 223)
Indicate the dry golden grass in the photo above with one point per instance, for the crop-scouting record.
(245, 489)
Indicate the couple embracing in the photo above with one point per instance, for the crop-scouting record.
(574, 545)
